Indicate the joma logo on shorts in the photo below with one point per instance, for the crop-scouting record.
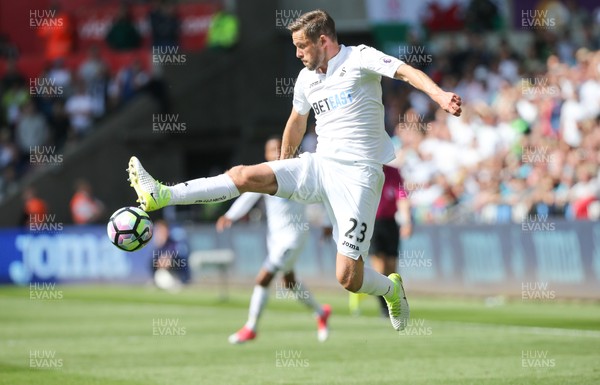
(350, 245)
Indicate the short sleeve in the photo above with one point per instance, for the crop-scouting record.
(300, 103)
(377, 62)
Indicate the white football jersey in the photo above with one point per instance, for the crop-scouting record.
(347, 104)
(286, 220)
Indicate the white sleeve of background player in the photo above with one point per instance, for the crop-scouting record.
(300, 103)
(377, 62)
(242, 205)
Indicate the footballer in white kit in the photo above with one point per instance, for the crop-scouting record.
(286, 230)
(287, 233)
(345, 173)
(342, 87)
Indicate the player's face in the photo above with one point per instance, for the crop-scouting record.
(272, 148)
(312, 54)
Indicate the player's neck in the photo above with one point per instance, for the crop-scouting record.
(330, 55)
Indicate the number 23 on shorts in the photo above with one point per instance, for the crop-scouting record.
(361, 235)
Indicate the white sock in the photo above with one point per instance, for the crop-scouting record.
(260, 295)
(215, 189)
(305, 296)
(375, 283)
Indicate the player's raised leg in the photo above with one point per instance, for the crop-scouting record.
(354, 276)
(153, 195)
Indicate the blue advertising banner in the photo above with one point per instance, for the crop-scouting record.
(537, 257)
(505, 259)
(69, 254)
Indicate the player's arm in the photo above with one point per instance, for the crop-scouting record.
(238, 209)
(293, 134)
(448, 101)
(404, 218)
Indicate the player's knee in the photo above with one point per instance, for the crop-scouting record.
(264, 278)
(239, 176)
(289, 280)
(348, 282)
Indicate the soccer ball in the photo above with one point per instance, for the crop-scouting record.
(129, 228)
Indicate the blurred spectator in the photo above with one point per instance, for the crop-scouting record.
(92, 68)
(35, 209)
(94, 73)
(482, 16)
(170, 257)
(59, 33)
(60, 75)
(7, 49)
(9, 153)
(60, 124)
(79, 107)
(129, 81)
(85, 208)
(12, 76)
(164, 24)
(12, 100)
(223, 31)
(32, 130)
(123, 34)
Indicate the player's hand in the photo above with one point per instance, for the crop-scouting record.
(450, 102)
(327, 232)
(223, 223)
(406, 231)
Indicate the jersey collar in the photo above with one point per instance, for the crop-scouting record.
(337, 60)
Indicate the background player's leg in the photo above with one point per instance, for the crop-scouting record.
(260, 296)
(305, 296)
(301, 292)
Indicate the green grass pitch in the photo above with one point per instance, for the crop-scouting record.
(138, 335)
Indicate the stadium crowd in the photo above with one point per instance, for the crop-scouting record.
(60, 106)
(527, 147)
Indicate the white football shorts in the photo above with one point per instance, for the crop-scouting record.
(349, 190)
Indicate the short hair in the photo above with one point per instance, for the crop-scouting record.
(314, 24)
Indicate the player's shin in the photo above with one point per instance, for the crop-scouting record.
(260, 295)
(375, 283)
(303, 295)
(204, 190)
